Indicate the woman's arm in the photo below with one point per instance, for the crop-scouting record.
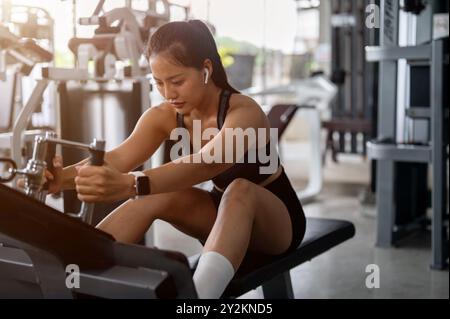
(105, 184)
(150, 131)
(185, 172)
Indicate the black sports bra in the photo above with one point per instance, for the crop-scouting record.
(249, 171)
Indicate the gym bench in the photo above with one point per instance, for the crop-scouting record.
(38, 242)
(321, 235)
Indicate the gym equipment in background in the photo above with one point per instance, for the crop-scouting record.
(412, 128)
(353, 115)
(29, 22)
(108, 103)
(312, 97)
(18, 57)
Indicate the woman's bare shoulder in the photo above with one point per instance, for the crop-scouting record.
(238, 100)
(163, 109)
(162, 114)
(245, 105)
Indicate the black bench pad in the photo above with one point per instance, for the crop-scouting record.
(321, 235)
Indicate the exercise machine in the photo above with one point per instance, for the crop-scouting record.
(18, 57)
(109, 103)
(352, 122)
(85, 93)
(43, 154)
(412, 126)
(35, 24)
(29, 22)
(40, 242)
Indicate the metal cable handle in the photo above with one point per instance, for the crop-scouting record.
(43, 153)
(97, 150)
(11, 171)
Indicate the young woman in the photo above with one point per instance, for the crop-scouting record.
(246, 211)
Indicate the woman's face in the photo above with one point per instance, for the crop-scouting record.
(181, 86)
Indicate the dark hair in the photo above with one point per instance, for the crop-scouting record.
(189, 43)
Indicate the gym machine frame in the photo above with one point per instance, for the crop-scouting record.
(387, 154)
(43, 153)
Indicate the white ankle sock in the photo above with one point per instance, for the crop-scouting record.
(212, 275)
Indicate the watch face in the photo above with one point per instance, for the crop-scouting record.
(143, 185)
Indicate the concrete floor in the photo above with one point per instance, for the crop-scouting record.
(341, 272)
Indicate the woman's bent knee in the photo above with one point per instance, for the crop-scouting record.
(238, 193)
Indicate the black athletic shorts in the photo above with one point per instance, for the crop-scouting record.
(282, 188)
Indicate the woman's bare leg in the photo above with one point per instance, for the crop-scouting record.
(191, 211)
(252, 217)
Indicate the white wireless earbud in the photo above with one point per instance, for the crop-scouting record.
(206, 75)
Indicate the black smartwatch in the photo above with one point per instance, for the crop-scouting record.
(141, 184)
